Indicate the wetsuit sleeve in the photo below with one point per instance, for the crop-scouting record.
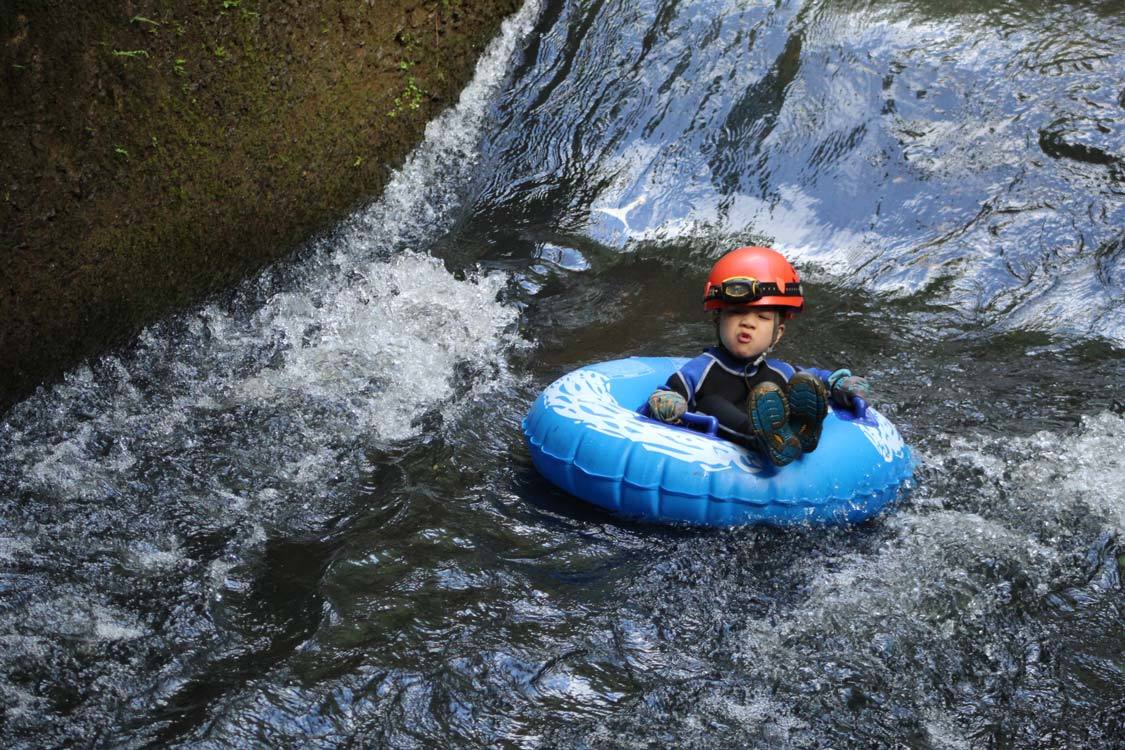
(677, 384)
(685, 381)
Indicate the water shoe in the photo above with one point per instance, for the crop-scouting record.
(808, 406)
(769, 414)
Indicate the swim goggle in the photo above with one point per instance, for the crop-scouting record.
(742, 290)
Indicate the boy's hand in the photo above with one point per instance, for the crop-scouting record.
(667, 406)
(844, 387)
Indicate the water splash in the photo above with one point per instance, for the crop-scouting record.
(136, 493)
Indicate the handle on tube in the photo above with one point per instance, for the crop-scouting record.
(703, 422)
(859, 406)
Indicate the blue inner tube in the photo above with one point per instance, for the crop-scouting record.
(586, 436)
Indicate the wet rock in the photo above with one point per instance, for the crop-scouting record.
(211, 90)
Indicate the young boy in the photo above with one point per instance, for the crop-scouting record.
(765, 404)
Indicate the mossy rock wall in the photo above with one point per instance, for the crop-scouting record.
(154, 152)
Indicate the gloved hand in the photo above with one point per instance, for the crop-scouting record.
(667, 406)
(845, 387)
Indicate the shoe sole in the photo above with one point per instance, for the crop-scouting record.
(769, 414)
(808, 406)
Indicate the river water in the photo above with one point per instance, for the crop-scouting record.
(302, 515)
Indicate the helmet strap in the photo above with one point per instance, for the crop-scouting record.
(774, 339)
(776, 332)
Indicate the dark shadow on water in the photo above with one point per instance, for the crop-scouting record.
(263, 625)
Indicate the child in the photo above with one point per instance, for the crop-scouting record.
(765, 404)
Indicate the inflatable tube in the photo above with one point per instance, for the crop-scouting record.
(586, 436)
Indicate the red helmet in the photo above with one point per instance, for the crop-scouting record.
(756, 276)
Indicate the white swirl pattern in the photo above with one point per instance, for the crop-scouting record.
(583, 396)
(884, 436)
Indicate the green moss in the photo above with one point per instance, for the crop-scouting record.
(410, 99)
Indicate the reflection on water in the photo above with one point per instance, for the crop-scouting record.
(304, 516)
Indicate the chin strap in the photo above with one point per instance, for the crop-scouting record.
(776, 337)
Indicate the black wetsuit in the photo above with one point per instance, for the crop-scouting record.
(719, 383)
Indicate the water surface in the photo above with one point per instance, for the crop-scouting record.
(303, 514)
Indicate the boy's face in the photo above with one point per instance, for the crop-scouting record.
(746, 332)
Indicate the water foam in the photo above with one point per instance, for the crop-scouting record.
(1047, 478)
(941, 589)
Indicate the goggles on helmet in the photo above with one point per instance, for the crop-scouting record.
(743, 290)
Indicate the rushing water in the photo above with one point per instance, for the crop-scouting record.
(303, 515)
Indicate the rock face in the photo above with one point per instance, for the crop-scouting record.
(155, 151)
